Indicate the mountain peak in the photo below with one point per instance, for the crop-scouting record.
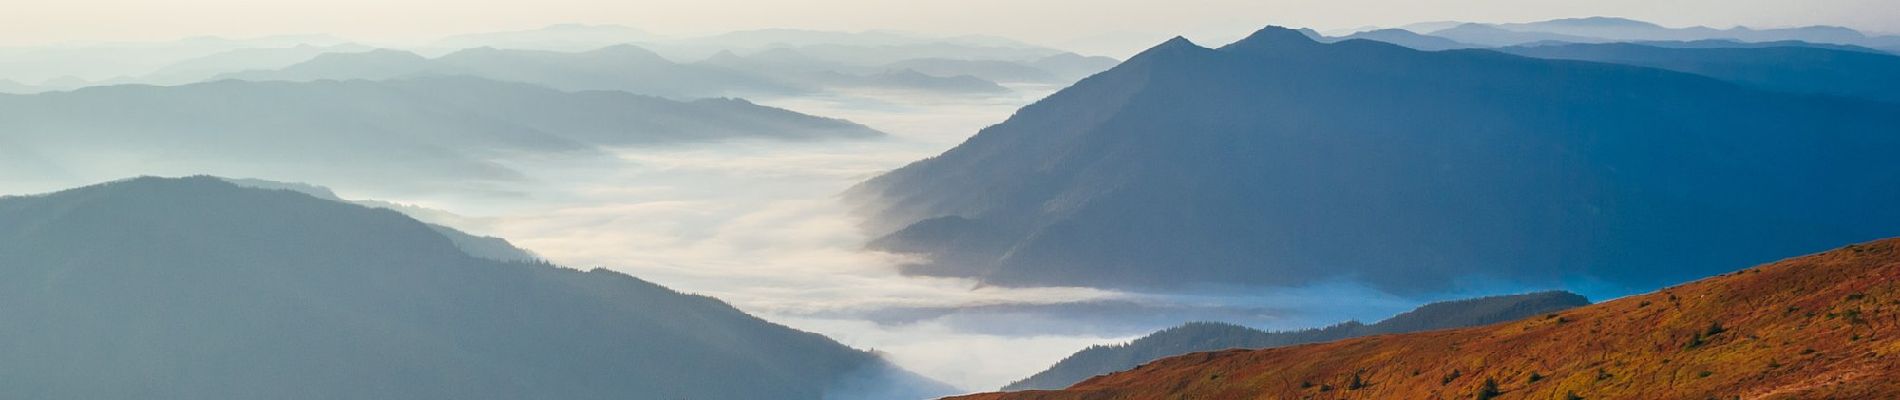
(1271, 38)
(1176, 45)
(1177, 42)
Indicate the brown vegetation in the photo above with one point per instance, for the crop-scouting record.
(1820, 326)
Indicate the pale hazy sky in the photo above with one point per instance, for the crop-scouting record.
(1047, 21)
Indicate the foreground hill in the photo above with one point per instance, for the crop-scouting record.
(1278, 160)
(1813, 327)
(196, 288)
(1792, 68)
(427, 129)
(1210, 336)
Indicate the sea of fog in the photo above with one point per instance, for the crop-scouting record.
(760, 224)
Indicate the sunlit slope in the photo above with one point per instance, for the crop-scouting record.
(1820, 326)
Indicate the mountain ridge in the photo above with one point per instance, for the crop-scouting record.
(1209, 336)
(1813, 326)
(199, 288)
(1280, 161)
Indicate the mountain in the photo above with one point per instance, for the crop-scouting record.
(1623, 29)
(1610, 29)
(790, 65)
(911, 79)
(1493, 36)
(561, 37)
(1059, 68)
(1730, 44)
(207, 67)
(1279, 161)
(1210, 336)
(991, 70)
(198, 288)
(794, 38)
(7, 86)
(1072, 67)
(1408, 39)
(1793, 69)
(621, 68)
(425, 130)
(103, 61)
(486, 247)
(1814, 327)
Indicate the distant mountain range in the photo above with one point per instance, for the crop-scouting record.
(787, 65)
(1607, 29)
(198, 288)
(60, 66)
(559, 37)
(625, 68)
(569, 57)
(1278, 161)
(1211, 336)
(424, 129)
(1793, 69)
(1815, 327)
(629, 68)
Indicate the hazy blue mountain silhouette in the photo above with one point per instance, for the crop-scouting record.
(1794, 69)
(427, 128)
(1493, 36)
(624, 67)
(866, 48)
(7, 86)
(104, 61)
(1277, 160)
(813, 73)
(1610, 29)
(1730, 43)
(207, 67)
(1074, 66)
(817, 74)
(1624, 29)
(1211, 336)
(197, 288)
(560, 37)
(992, 70)
(1060, 68)
(1408, 39)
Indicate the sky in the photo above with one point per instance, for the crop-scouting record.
(1049, 22)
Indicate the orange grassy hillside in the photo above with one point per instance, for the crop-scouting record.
(1820, 326)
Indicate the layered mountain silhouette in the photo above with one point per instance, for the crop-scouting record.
(560, 37)
(1610, 29)
(1794, 69)
(1814, 327)
(62, 65)
(1060, 68)
(199, 288)
(429, 128)
(1211, 336)
(625, 68)
(788, 65)
(629, 68)
(246, 59)
(1406, 38)
(1278, 160)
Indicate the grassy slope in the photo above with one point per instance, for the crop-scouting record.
(1820, 326)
